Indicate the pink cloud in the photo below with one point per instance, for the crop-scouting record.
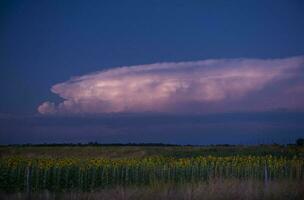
(220, 84)
(47, 108)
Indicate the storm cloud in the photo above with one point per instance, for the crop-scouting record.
(215, 85)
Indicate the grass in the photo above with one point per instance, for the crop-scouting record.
(215, 190)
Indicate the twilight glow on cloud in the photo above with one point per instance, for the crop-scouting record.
(215, 85)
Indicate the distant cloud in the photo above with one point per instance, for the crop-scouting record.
(47, 108)
(216, 85)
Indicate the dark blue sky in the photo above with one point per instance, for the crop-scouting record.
(46, 42)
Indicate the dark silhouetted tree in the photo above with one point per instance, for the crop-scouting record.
(300, 142)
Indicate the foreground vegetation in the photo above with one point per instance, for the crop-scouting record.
(230, 189)
(62, 170)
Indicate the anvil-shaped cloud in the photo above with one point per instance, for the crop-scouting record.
(215, 85)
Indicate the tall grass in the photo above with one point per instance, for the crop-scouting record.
(214, 189)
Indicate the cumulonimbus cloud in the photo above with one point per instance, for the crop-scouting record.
(217, 85)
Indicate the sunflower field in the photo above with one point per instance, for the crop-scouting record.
(63, 174)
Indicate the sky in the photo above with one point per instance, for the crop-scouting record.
(186, 72)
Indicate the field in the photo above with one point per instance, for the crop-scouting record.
(141, 172)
